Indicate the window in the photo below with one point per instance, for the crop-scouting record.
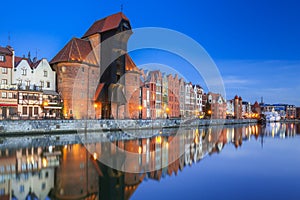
(4, 95)
(4, 81)
(40, 175)
(36, 110)
(24, 110)
(43, 186)
(45, 74)
(2, 191)
(4, 70)
(48, 84)
(10, 95)
(82, 69)
(24, 72)
(19, 82)
(2, 169)
(21, 188)
(13, 168)
(46, 175)
(2, 58)
(27, 83)
(8, 168)
(42, 84)
(63, 69)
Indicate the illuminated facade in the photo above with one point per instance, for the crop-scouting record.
(92, 78)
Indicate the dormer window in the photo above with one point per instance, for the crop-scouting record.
(2, 58)
(125, 26)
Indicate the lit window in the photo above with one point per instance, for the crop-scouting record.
(2, 58)
(4, 70)
(45, 73)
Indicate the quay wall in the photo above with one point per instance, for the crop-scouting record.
(35, 127)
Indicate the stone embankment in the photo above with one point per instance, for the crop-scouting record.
(35, 127)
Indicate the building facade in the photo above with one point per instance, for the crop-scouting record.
(217, 105)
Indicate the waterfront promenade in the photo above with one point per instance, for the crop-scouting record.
(36, 127)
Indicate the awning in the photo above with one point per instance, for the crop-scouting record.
(50, 92)
(52, 107)
(8, 105)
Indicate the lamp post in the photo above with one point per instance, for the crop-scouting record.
(95, 107)
(167, 111)
(140, 111)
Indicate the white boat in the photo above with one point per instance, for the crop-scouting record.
(272, 116)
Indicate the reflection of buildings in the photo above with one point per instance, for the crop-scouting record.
(27, 171)
(76, 177)
(74, 173)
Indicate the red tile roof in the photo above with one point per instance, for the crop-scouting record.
(6, 50)
(108, 23)
(130, 65)
(76, 50)
(35, 64)
(17, 60)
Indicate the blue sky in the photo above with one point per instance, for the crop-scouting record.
(255, 44)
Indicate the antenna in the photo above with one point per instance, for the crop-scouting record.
(8, 42)
(122, 7)
(36, 52)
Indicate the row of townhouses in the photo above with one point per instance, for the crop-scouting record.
(27, 87)
(93, 77)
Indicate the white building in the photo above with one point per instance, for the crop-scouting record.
(230, 108)
(6, 66)
(36, 82)
(34, 76)
(198, 91)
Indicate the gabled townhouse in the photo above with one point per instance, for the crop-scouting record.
(8, 92)
(198, 92)
(173, 96)
(37, 96)
(217, 106)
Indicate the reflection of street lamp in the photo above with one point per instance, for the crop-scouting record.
(95, 107)
(167, 111)
(140, 111)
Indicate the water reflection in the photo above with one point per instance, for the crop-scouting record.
(48, 168)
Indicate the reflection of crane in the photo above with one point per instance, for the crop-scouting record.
(262, 134)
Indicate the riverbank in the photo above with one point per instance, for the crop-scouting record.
(46, 127)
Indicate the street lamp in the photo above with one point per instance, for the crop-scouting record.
(140, 111)
(167, 111)
(95, 107)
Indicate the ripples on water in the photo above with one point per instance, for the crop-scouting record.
(165, 165)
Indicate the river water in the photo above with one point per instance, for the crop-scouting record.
(219, 162)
